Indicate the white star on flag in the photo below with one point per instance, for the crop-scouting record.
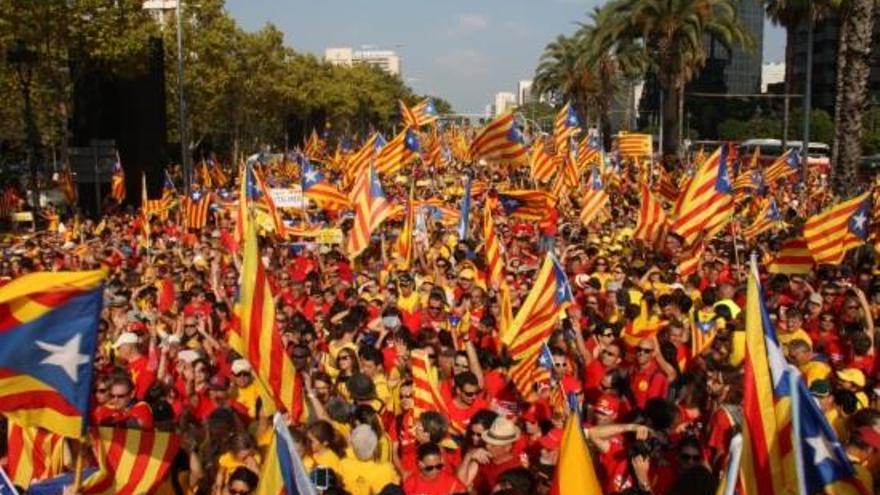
(860, 220)
(311, 176)
(67, 356)
(822, 449)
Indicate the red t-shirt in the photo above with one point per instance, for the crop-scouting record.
(141, 375)
(459, 418)
(615, 465)
(137, 416)
(444, 484)
(593, 374)
(487, 474)
(648, 383)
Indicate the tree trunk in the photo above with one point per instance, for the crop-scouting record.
(840, 69)
(670, 119)
(857, 24)
(789, 79)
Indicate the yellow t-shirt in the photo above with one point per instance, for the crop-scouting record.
(815, 370)
(366, 477)
(786, 337)
(228, 463)
(247, 396)
(738, 347)
(408, 303)
(326, 458)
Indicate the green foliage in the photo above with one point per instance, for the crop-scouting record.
(821, 127)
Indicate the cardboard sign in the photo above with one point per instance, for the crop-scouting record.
(23, 216)
(287, 197)
(329, 236)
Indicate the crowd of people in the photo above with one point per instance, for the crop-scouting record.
(658, 410)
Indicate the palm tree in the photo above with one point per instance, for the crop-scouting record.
(853, 69)
(560, 72)
(673, 33)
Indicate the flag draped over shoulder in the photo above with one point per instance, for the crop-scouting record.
(283, 473)
(835, 231)
(706, 205)
(131, 462)
(768, 456)
(535, 320)
(575, 472)
(260, 340)
(501, 141)
(48, 337)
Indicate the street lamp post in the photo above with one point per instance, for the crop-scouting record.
(23, 59)
(184, 134)
(808, 97)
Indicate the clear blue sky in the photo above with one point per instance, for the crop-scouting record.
(464, 51)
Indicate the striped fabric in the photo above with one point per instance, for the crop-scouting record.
(371, 208)
(204, 176)
(218, 176)
(634, 146)
(494, 250)
(195, 210)
(432, 155)
(426, 388)
(569, 171)
(589, 153)
(706, 206)
(398, 153)
(261, 342)
(595, 199)
(652, 225)
(314, 147)
(689, 258)
(500, 141)
(785, 166)
(564, 127)
(403, 246)
(317, 188)
(283, 473)
(793, 257)
(524, 204)
(542, 164)
(835, 231)
(361, 159)
(131, 462)
(48, 334)
(117, 181)
(33, 454)
(768, 218)
(419, 115)
(67, 185)
(535, 321)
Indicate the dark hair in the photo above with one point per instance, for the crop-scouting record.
(246, 476)
(426, 449)
(371, 354)
(695, 480)
(434, 424)
(465, 378)
(324, 432)
(518, 479)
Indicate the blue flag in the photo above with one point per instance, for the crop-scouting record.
(464, 219)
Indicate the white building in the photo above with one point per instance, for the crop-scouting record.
(387, 60)
(161, 10)
(504, 101)
(524, 92)
(772, 73)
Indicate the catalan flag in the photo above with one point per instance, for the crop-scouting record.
(283, 473)
(525, 204)
(260, 340)
(218, 176)
(564, 127)
(652, 225)
(575, 472)
(33, 454)
(835, 231)
(569, 170)
(433, 151)
(768, 458)
(362, 158)
(419, 115)
(501, 141)
(316, 187)
(786, 165)
(634, 146)
(703, 331)
(131, 462)
(205, 179)
(793, 257)
(404, 245)
(706, 206)
(542, 163)
(768, 218)
(426, 387)
(745, 175)
(590, 153)
(370, 210)
(535, 320)
(258, 195)
(494, 250)
(117, 181)
(67, 185)
(689, 258)
(398, 153)
(48, 337)
(595, 198)
(195, 208)
(314, 147)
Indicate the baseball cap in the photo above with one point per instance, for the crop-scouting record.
(608, 405)
(820, 388)
(852, 375)
(125, 338)
(240, 366)
(816, 298)
(187, 356)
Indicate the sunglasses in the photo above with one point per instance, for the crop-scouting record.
(343, 358)
(432, 467)
(243, 374)
(560, 365)
(406, 396)
(470, 394)
(644, 350)
(101, 390)
(608, 353)
(238, 492)
(119, 396)
(689, 457)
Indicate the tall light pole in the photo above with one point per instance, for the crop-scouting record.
(184, 135)
(808, 98)
(24, 58)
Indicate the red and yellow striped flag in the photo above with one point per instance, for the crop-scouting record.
(398, 153)
(767, 218)
(261, 342)
(565, 126)
(67, 185)
(634, 146)
(535, 321)
(117, 181)
(426, 384)
(501, 141)
(595, 199)
(706, 206)
(404, 245)
(361, 159)
(131, 462)
(652, 225)
(835, 231)
(205, 179)
(793, 257)
(569, 171)
(33, 454)
(784, 166)
(314, 147)
(195, 208)
(218, 176)
(371, 208)
(419, 115)
(542, 163)
(494, 250)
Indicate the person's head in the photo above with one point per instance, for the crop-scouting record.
(460, 363)
(675, 332)
(242, 481)
(102, 389)
(346, 361)
(517, 480)
(500, 437)
(201, 371)
(467, 387)
(301, 357)
(645, 352)
(826, 322)
(322, 385)
(436, 305)
(364, 442)
(800, 352)
(322, 436)
(689, 453)
(126, 346)
(851, 379)
(121, 392)
(430, 460)
(610, 355)
(560, 362)
(370, 361)
(242, 374)
(479, 424)
(218, 389)
(607, 409)
(431, 427)
(794, 319)
(242, 445)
